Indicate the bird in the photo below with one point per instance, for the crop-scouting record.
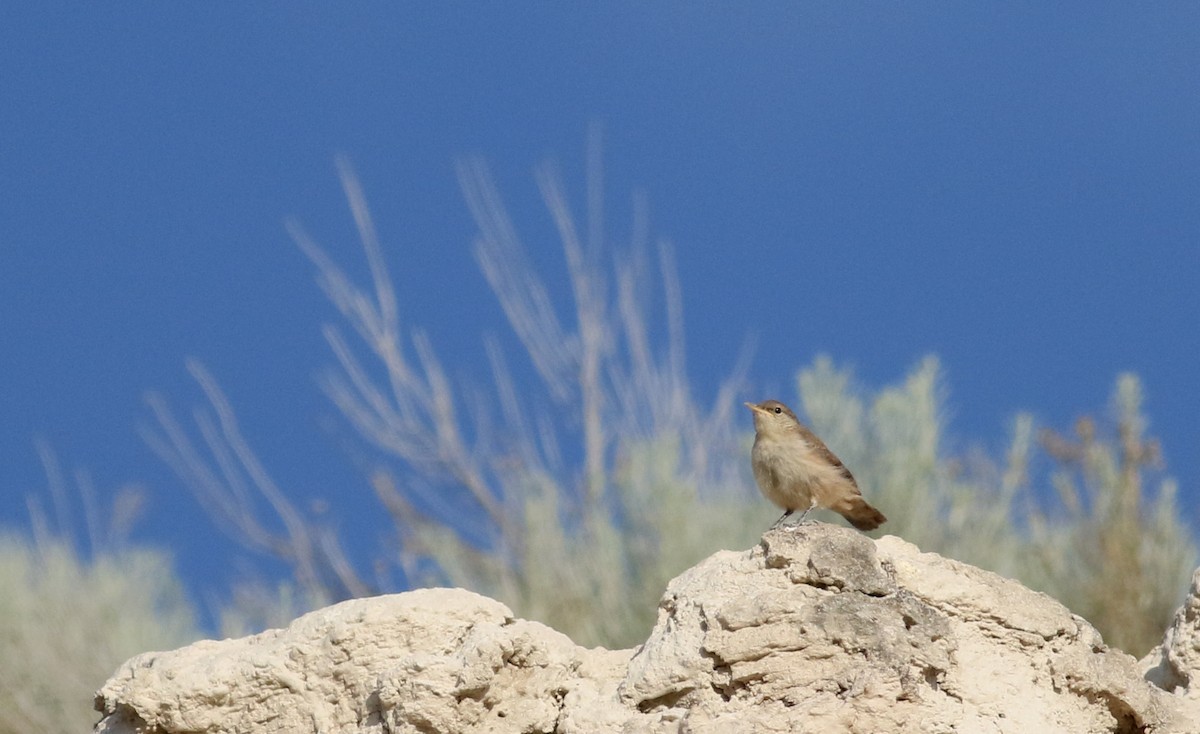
(796, 470)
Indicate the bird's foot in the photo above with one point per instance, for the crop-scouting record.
(802, 520)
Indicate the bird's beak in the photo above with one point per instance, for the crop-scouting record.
(754, 408)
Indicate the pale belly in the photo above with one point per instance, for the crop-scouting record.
(791, 477)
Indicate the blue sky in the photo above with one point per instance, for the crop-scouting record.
(1013, 187)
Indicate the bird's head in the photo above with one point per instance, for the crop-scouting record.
(772, 417)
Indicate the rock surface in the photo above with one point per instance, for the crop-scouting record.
(1175, 664)
(820, 629)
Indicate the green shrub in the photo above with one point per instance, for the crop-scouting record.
(66, 623)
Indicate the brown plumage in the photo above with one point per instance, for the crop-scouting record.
(797, 471)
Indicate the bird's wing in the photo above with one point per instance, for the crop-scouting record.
(824, 452)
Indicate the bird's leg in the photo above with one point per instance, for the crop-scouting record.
(805, 513)
(782, 517)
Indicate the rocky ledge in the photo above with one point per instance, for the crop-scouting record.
(820, 629)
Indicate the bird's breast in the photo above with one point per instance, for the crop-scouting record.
(791, 472)
(784, 472)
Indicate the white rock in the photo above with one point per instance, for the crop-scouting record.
(1175, 664)
(820, 629)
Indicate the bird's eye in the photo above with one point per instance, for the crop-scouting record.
(778, 410)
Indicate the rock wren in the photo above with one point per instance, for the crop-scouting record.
(795, 470)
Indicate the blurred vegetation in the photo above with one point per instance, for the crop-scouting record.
(583, 478)
(1099, 529)
(575, 493)
(576, 499)
(1115, 548)
(69, 619)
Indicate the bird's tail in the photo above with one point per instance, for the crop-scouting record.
(860, 514)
